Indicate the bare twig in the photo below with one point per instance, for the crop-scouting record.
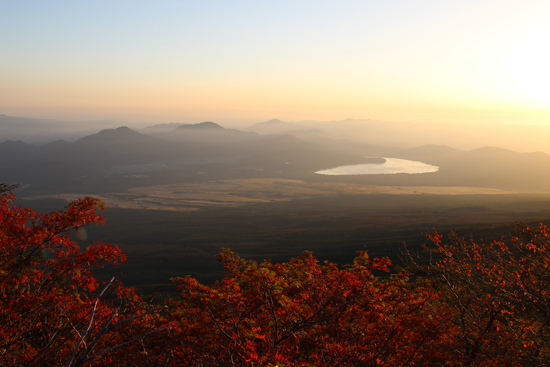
(77, 347)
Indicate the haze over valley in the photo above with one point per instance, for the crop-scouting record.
(123, 158)
(258, 190)
(204, 125)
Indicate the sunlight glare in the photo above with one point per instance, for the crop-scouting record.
(520, 68)
(529, 68)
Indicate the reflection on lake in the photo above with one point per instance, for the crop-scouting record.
(391, 166)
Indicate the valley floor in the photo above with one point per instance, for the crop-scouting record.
(238, 192)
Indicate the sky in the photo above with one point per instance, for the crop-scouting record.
(468, 61)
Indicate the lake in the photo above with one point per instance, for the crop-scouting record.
(391, 166)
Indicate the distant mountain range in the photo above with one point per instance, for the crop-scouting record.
(159, 128)
(466, 136)
(40, 131)
(207, 132)
(123, 157)
(271, 126)
(118, 156)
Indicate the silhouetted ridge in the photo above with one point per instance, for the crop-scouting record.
(493, 151)
(122, 133)
(202, 125)
(14, 152)
(14, 144)
(165, 126)
(272, 123)
(119, 131)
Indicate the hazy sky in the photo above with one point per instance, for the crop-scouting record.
(253, 60)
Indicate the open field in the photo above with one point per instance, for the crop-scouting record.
(165, 243)
(238, 192)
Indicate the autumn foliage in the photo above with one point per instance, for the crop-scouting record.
(49, 315)
(304, 313)
(497, 296)
(458, 303)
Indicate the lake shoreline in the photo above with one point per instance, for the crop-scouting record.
(387, 167)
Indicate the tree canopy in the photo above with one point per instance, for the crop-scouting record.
(458, 303)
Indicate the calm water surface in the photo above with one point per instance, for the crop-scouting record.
(391, 166)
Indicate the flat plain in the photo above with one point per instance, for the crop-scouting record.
(238, 192)
(178, 229)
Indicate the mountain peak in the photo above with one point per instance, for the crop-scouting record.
(14, 143)
(118, 132)
(202, 125)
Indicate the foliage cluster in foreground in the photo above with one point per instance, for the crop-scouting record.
(460, 303)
